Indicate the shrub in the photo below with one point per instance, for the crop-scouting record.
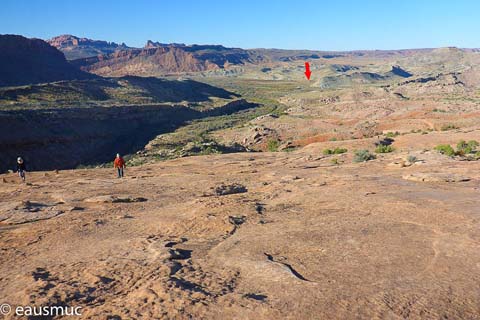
(392, 134)
(461, 145)
(363, 155)
(339, 150)
(209, 150)
(412, 159)
(334, 151)
(445, 149)
(464, 148)
(473, 144)
(384, 149)
(272, 145)
(327, 151)
(447, 127)
(334, 161)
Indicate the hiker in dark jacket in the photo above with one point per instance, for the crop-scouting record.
(21, 168)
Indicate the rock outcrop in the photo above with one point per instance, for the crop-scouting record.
(76, 48)
(28, 61)
(157, 60)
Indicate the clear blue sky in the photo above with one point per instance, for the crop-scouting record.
(324, 25)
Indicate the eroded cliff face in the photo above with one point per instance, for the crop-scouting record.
(66, 138)
(56, 139)
(154, 61)
(75, 48)
(27, 61)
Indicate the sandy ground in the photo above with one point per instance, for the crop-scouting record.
(307, 240)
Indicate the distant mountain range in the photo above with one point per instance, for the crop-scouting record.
(157, 59)
(161, 60)
(28, 61)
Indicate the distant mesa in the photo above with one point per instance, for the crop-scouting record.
(300, 57)
(331, 56)
(161, 59)
(150, 44)
(398, 71)
(74, 47)
(342, 67)
(28, 61)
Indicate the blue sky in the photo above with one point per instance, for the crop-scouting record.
(323, 25)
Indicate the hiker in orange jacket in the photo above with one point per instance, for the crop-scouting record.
(119, 164)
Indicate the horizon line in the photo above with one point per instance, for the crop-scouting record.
(254, 48)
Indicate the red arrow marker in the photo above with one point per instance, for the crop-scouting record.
(307, 70)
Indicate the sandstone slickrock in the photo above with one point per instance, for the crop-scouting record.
(115, 199)
(436, 177)
(321, 249)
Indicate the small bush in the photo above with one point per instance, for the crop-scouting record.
(412, 159)
(461, 145)
(392, 134)
(473, 144)
(339, 150)
(334, 161)
(363, 155)
(447, 127)
(327, 151)
(272, 145)
(384, 149)
(334, 151)
(464, 148)
(445, 149)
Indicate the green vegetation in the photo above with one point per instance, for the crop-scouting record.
(272, 145)
(473, 144)
(363, 156)
(199, 137)
(445, 149)
(447, 127)
(392, 134)
(463, 149)
(109, 92)
(334, 151)
(384, 149)
(412, 159)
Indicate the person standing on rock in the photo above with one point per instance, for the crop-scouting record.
(21, 168)
(119, 164)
